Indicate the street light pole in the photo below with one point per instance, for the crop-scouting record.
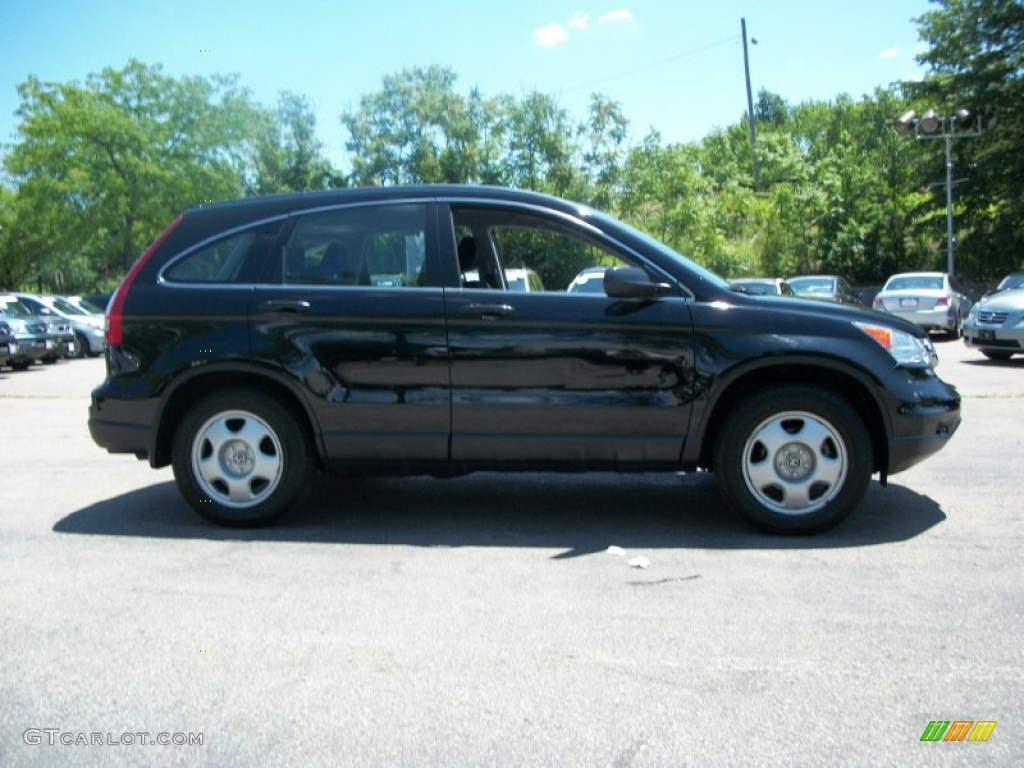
(965, 123)
(950, 237)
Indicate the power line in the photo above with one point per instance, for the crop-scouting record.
(653, 65)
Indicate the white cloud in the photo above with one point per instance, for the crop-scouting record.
(618, 15)
(890, 53)
(579, 20)
(550, 35)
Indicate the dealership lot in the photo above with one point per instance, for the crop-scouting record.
(481, 620)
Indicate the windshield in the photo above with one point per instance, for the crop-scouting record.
(915, 283)
(811, 285)
(67, 308)
(1010, 281)
(614, 225)
(14, 308)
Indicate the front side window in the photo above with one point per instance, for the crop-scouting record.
(515, 251)
(378, 245)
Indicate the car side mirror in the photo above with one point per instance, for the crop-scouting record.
(632, 283)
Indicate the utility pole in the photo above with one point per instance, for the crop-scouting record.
(750, 107)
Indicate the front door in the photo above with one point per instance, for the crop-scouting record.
(559, 376)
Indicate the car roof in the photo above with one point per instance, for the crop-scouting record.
(271, 205)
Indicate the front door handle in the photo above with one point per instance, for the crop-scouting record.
(487, 310)
(285, 305)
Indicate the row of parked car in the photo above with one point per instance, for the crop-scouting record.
(935, 301)
(47, 328)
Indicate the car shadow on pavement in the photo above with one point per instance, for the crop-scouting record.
(984, 362)
(579, 514)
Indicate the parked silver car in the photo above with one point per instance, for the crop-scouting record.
(762, 286)
(824, 288)
(933, 300)
(8, 343)
(87, 328)
(31, 333)
(995, 326)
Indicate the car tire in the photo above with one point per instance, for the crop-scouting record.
(995, 354)
(241, 458)
(79, 347)
(793, 459)
(957, 330)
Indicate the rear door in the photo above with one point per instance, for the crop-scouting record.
(551, 377)
(355, 316)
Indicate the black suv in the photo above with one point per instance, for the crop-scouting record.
(372, 330)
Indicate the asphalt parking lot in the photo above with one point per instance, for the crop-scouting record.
(483, 621)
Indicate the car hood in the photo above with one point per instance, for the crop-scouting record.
(1011, 300)
(830, 311)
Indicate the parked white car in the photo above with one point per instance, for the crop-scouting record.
(934, 300)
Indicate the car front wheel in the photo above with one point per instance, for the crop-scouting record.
(957, 330)
(793, 460)
(241, 458)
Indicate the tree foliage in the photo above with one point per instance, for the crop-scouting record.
(976, 59)
(103, 166)
(99, 168)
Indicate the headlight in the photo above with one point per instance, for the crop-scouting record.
(973, 313)
(905, 348)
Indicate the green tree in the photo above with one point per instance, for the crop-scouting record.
(602, 139)
(416, 129)
(288, 157)
(102, 167)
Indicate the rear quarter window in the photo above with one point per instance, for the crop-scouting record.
(238, 258)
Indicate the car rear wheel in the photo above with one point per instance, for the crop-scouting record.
(80, 346)
(241, 458)
(957, 330)
(793, 460)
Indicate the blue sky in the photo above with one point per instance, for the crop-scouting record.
(673, 65)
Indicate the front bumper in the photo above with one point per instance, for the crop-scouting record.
(924, 416)
(996, 337)
(29, 349)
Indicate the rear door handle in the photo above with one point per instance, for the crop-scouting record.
(285, 305)
(487, 310)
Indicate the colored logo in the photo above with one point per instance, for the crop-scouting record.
(958, 730)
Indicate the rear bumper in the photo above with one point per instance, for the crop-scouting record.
(123, 426)
(931, 319)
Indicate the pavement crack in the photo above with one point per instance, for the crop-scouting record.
(668, 580)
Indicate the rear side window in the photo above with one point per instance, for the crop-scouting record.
(376, 245)
(238, 258)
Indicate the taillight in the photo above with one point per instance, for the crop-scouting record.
(877, 303)
(115, 307)
(942, 301)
